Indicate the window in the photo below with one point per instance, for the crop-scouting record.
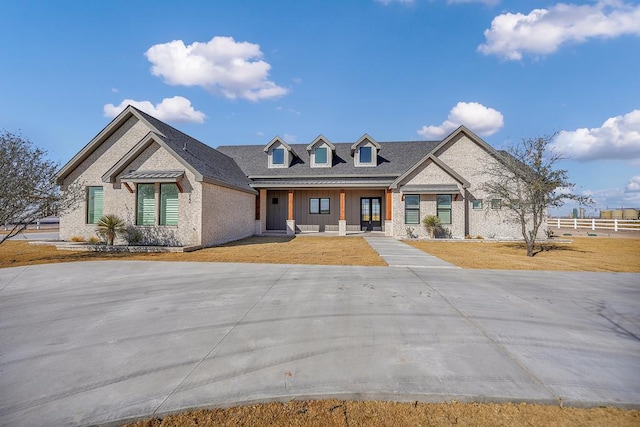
(168, 204)
(477, 204)
(319, 206)
(365, 154)
(411, 209)
(496, 203)
(277, 156)
(443, 208)
(274, 200)
(320, 155)
(146, 204)
(95, 196)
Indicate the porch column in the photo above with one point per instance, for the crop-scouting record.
(342, 222)
(261, 212)
(291, 223)
(388, 220)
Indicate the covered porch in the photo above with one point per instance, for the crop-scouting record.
(323, 210)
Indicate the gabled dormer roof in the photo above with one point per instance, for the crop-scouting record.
(278, 140)
(363, 138)
(320, 138)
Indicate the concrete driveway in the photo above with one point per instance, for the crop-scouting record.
(101, 342)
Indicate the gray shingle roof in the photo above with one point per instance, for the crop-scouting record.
(394, 159)
(210, 163)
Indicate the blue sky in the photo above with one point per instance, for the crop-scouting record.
(241, 72)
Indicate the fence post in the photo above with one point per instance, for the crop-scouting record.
(615, 225)
(558, 222)
(38, 225)
(593, 223)
(575, 223)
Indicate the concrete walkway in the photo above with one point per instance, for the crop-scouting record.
(102, 342)
(398, 254)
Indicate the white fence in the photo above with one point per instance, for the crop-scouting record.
(595, 224)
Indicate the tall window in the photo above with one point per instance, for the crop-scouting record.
(319, 206)
(95, 196)
(320, 155)
(168, 204)
(411, 209)
(146, 205)
(365, 154)
(277, 156)
(443, 206)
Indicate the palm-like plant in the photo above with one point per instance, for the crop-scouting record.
(109, 227)
(431, 223)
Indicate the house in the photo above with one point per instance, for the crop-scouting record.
(161, 179)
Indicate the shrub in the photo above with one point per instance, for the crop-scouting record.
(93, 240)
(479, 237)
(77, 239)
(432, 224)
(109, 227)
(467, 236)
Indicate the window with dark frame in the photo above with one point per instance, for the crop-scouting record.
(319, 205)
(496, 203)
(477, 204)
(412, 209)
(443, 208)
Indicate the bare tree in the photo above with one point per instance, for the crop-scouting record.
(527, 182)
(27, 188)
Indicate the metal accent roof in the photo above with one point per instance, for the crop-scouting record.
(431, 189)
(319, 182)
(157, 176)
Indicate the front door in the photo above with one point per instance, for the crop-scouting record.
(370, 213)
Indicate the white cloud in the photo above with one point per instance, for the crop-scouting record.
(543, 31)
(617, 138)
(176, 109)
(221, 65)
(633, 186)
(387, 2)
(290, 139)
(482, 120)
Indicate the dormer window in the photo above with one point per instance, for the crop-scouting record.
(277, 156)
(365, 155)
(365, 152)
(321, 152)
(280, 153)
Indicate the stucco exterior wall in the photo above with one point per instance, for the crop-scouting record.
(227, 214)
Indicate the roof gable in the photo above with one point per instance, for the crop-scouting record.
(431, 158)
(362, 139)
(101, 137)
(321, 139)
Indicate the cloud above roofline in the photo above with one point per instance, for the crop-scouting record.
(177, 109)
(235, 70)
(482, 120)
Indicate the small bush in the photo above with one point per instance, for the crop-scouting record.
(93, 240)
(410, 233)
(77, 239)
(467, 236)
(479, 237)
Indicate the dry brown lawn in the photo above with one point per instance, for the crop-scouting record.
(275, 250)
(336, 413)
(583, 254)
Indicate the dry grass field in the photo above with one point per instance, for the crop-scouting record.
(276, 250)
(582, 254)
(334, 413)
